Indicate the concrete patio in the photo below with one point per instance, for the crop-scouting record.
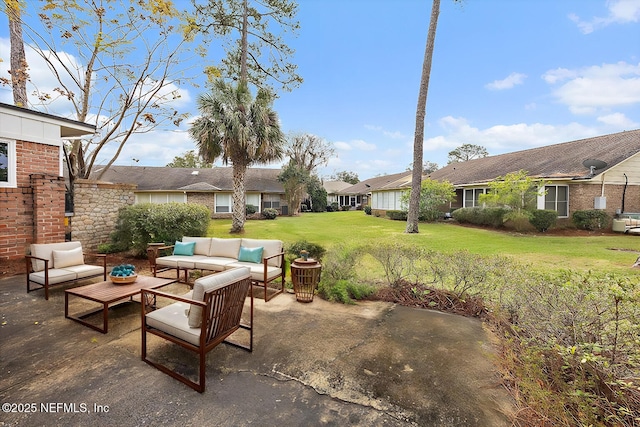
(320, 363)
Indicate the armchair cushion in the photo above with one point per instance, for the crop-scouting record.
(173, 321)
(212, 282)
(62, 259)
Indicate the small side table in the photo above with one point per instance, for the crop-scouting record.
(305, 275)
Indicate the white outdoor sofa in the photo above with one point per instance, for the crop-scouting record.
(57, 263)
(264, 258)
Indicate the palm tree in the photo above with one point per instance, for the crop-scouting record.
(238, 129)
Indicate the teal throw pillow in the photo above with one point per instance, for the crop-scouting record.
(184, 248)
(250, 254)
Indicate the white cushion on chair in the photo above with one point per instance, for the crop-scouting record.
(226, 248)
(85, 270)
(55, 276)
(44, 250)
(173, 320)
(62, 259)
(257, 270)
(202, 244)
(209, 283)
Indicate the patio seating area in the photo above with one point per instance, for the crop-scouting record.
(372, 363)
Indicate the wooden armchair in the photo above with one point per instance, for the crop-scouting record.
(201, 321)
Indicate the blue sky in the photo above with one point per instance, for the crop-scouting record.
(507, 75)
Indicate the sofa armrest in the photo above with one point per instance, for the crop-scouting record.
(102, 258)
(29, 258)
(153, 251)
(265, 262)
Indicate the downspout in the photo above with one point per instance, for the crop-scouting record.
(624, 190)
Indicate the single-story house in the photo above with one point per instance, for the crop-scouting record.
(382, 193)
(212, 187)
(333, 189)
(32, 190)
(602, 172)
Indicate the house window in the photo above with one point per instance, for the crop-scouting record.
(271, 201)
(252, 199)
(471, 197)
(223, 203)
(557, 199)
(7, 163)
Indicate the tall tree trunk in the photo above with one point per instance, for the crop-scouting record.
(239, 215)
(19, 65)
(243, 42)
(421, 112)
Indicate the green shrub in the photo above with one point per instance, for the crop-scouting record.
(333, 207)
(398, 260)
(590, 219)
(518, 220)
(315, 251)
(367, 210)
(339, 263)
(345, 208)
(110, 248)
(250, 209)
(269, 213)
(397, 215)
(492, 216)
(141, 224)
(344, 291)
(543, 220)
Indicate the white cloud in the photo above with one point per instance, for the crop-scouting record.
(387, 133)
(591, 88)
(356, 144)
(620, 12)
(618, 120)
(501, 139)
(559, 74)
(509, 82)
(342, 146)
(362, 145)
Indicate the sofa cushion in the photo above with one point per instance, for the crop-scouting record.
(210, 283)
(85, 270)
(214, 263)
(169, 260)
(184, 248)
(55, 276)
(62, 259)
(202, 244)
(226, 248)
(250, 254)
(257, 270)
(44, 250)
(270, 248)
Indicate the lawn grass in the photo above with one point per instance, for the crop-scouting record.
(594, 252)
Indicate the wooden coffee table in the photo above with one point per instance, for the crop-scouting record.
(107, 293)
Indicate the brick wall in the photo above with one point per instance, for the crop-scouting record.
(96, 206)
(582, 197)
(206, 199)
(34, 211)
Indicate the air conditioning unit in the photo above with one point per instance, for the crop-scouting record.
(600, 203)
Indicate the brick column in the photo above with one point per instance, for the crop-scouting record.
(48, 208)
